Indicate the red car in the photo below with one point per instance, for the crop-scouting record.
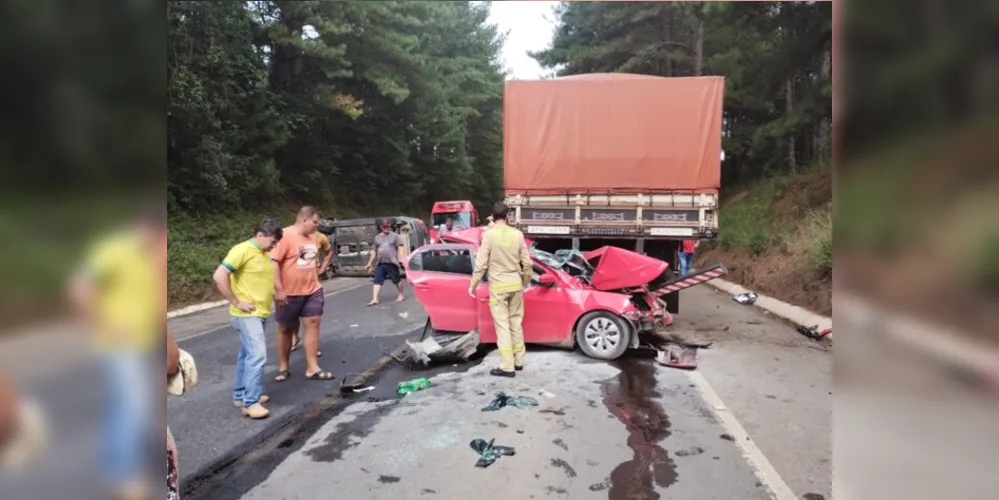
(602, 305)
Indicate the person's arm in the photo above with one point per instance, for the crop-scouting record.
(9, 410)
(400, 249)
(172, 355)
(328, 251)
(371, 256)
(481, 264)
(525, 262)
(277, 254)
(233, 261)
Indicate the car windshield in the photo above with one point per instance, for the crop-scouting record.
(567, 260)
(462, 220)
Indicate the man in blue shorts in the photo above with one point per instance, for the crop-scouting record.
(385, 258)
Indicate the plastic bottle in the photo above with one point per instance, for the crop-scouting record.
(414, 385)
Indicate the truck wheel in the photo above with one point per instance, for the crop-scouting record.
(602, 335)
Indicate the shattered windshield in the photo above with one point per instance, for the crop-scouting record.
(567, 260)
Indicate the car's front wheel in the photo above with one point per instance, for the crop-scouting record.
(603, 335)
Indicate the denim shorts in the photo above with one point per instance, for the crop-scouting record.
(387, 270)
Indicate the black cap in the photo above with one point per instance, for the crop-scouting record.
(384, 222)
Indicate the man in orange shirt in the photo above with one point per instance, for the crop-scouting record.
(326, 250)
(298, 294)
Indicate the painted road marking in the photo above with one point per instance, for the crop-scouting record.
(329, 294)
(762, 467)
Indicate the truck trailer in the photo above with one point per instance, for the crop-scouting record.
(626, 160)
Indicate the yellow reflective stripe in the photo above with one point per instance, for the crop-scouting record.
(506, 236)
(520, 348)
(505, 349)
(506, 287)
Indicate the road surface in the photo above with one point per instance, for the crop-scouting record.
(754, 419)
(602, 430)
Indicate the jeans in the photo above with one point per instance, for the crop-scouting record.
(686, 260)
(248, 384)
(130, 417)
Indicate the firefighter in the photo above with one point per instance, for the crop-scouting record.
(504, 254)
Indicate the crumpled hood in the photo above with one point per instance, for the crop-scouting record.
(616, 268)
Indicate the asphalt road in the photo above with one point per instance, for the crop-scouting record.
(753, 419)
(753, 422)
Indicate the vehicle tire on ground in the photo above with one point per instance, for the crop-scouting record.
(603, 335)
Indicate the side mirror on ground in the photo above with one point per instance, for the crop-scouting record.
(546, 280)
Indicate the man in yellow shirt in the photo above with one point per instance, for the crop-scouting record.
(246, 279)
(120, 292)
(504, 254)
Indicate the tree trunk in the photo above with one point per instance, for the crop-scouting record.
(788, 109)
(699, 48)
(823, 144)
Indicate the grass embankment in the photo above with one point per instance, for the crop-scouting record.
(197, 243)
(776, 238)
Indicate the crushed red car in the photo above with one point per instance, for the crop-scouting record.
(602, 301)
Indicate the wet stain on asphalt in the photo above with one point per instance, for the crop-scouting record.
(428, 491)
(560, 412)
(348, 435)
(562, 464)
(560, 491)
(727, 437)
(633, 398)
(388, 479)
(813, 496)
(561, 444)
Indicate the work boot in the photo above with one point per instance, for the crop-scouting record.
(496, 372)
(263, 400)
(256, 412)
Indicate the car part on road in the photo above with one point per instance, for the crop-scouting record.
(746, 298)
(603, 335)
(440, 348)
(488, 452)
(813, 331)
(353, 382)
(675, 355)
(501, 400)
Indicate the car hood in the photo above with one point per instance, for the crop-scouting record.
(616, 268)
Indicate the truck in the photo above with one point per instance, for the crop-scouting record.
(623, 160)
(461, 212)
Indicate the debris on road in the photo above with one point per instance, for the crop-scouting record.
(813, 331)
(745, 298)
(488, 452)
(356, 385)
(501, 400)
(441, 349)
(676, 355)
(412, 385)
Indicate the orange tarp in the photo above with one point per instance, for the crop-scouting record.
(615, 132)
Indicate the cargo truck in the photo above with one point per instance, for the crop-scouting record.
(624, 160)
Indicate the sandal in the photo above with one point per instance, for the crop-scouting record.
(296, 345)
(373, 303)
(282, 375)
(321, 375)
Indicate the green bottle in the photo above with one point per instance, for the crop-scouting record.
(413, 385)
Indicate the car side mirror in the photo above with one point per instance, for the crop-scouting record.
(546, 280)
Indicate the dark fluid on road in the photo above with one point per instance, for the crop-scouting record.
(633, 398)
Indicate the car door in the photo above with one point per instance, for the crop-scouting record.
(544, 312)
(439, 275)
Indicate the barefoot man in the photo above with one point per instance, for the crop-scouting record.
(385, 258)
(298, 294)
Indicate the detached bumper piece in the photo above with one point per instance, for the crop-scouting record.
(441, 349)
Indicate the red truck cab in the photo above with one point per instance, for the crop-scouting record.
(462, 213)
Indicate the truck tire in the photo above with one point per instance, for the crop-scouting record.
(603, 335)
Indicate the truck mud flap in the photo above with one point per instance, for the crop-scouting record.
(694, 278)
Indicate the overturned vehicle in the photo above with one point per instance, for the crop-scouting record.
(604, 301)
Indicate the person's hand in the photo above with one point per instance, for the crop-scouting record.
(367, 268)
(471, 292)
(244, 306)
(280, 299)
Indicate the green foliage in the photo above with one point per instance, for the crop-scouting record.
(379, 106)
(759, 47)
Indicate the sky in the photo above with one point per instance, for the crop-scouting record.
(529, 27)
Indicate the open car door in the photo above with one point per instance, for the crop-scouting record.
(439, 275)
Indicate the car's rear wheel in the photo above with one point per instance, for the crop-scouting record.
(603, 335)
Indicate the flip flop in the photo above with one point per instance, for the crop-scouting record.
(373, 303)
(321, 375)
(282, 375)
(296, 345)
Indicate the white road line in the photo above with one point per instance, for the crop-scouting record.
(762, 467)
(206, 332)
